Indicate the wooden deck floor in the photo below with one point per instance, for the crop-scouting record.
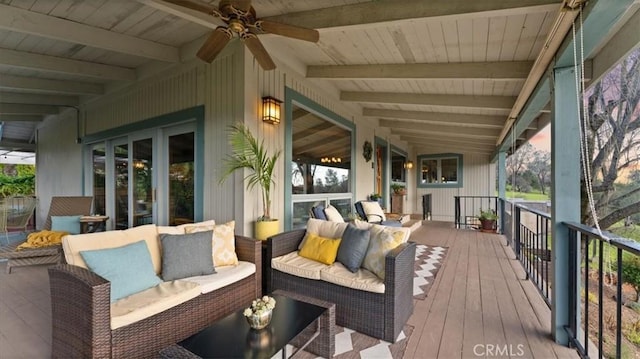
(479, 306)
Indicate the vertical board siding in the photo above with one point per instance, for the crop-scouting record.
(223, 108)
(479, 179)
(143, 101)
(58, 161)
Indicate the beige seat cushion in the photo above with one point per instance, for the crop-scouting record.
(360, 280)
(225, 275)
(152, 301)
(293, 264)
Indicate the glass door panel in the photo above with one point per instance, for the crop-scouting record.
(121, 181)
(181, 178)
(142, 181)
(98, 154)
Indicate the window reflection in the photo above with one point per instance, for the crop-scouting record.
(321, 155)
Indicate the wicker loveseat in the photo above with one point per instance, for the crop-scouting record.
(82, 310)
(381, 315)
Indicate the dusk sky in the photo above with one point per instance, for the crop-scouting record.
(542, 140)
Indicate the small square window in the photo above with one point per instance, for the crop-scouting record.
(443, 170)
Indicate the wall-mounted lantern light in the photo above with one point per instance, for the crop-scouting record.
(271, 110)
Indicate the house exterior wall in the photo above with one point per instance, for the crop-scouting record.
(479, 179)
(58, 161)
(231, 89)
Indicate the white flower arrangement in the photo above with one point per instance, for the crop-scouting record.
(260, 306)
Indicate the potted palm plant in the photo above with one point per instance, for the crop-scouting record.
(488, 219)
(250, 154)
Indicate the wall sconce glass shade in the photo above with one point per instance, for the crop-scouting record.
(408, 165)
(271, 110)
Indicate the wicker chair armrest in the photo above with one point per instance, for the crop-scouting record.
(398, 283)
(400, 261)
(250, 250)
(80, 309)
(284, 243)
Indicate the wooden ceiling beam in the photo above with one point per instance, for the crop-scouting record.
(17, 145)
(451, 119)
(460, 143)
(507, 70)
(442, 139)
(480, 102)
(31, 61)
(194, 16)
(313, 131)
(29, 22)
(426, 149)
(10, 82)
(454, 131)
(368, 13)
(22, 109)
(20, 118)
(324, 144)
(37, 99)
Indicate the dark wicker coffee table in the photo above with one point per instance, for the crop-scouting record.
(306, 323)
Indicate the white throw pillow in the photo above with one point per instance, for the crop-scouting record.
(333, 215)
(373, 211)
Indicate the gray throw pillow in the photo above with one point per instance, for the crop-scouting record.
(186, 255)
(353, 247)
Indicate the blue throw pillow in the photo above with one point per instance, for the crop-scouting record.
(353, 247)
(187, 255)
(69, 224)
(128, 268)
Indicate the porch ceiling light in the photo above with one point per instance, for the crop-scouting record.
(271, 110)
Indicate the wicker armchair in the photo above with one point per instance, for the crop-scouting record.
(379, 315)
(81, 310)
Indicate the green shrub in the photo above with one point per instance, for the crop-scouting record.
(631, 271)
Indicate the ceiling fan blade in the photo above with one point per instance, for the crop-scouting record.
(260, 53)
(218, 39)
(295, 32)
(198, 6)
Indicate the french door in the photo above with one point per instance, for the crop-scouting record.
(145, 177)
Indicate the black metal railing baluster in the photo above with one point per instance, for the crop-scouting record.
(600, 297)
(586, 296)
(619, 306)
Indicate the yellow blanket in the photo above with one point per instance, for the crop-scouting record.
(43, 239)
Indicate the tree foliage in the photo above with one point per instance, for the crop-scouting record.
(613, 140)
(17, 180)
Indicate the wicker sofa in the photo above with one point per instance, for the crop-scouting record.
(82, 310)
(381, 315)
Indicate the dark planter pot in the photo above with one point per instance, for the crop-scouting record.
(488, 225)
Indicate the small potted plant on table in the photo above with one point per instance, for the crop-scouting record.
(488, 220)
(398, 189)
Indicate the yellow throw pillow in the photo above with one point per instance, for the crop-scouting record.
(223, 242)
(320, 249)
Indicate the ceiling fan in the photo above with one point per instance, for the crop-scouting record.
(240, 19)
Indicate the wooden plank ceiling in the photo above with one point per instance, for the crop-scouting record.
(442, 74)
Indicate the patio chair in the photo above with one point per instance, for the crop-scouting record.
(60, 206)
(378, 217)
(15, 213)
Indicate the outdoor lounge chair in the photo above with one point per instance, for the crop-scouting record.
(60, 206)
(375, 218)
(15, 213)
